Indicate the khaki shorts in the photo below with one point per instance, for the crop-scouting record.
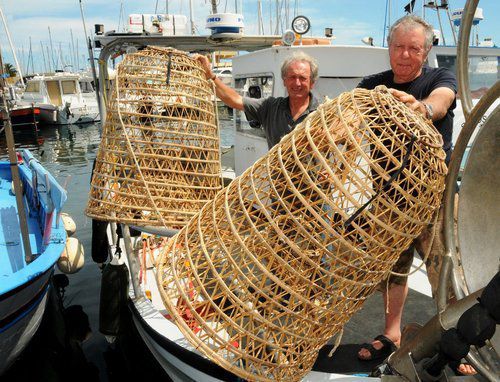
(421, 244)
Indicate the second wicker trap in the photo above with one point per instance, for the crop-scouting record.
(159, 158)
(275, 265)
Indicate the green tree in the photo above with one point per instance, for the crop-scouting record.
(9, 69)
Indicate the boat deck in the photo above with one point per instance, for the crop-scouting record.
(10, 234)
(14, 271)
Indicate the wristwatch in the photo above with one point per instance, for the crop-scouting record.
(429, 113)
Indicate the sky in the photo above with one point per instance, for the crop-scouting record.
(351, 21)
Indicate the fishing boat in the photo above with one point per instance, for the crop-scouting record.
(62, 98)
(257, 74)
(26, 273)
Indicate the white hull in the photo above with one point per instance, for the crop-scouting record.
(180, 360)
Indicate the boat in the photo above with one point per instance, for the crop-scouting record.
(61, 98)
(258, 74)
(26, 277)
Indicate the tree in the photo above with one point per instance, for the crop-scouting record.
(9, 69)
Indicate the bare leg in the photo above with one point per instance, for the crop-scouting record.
(393, 314)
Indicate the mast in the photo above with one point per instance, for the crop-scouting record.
(43, 57)
(52, 50)
(18, 67)
(23, 223)
(92, 64)
(191, 16)
(259, 18)
(214, 6)
(73, 63)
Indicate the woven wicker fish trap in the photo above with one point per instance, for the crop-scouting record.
(278, 262)
(159, 158)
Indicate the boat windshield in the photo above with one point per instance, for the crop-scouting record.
(86, 87)
(33, 87)
(483, 71)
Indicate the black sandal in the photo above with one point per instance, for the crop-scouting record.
(388, 347)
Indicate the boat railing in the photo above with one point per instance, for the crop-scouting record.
(42, 193)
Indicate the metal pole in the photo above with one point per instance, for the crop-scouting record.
(259, 16)
(48, 58)
(453, 32)
(52, 51)
(214, 6)
(440, 25)
(191, 16)
(91, 58)
(133, 264)
(23, 223)
(43, 57)
(11, 47)
(73, 62)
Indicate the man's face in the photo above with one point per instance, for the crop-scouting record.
(298, 80)
(407, 53)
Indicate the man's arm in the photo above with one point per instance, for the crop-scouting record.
(440, 100)
(226, 94)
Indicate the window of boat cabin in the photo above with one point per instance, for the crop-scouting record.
(483, 71)
(33, 87)
(259, 86)
(86, 87)
(68, 87)
(331, 87)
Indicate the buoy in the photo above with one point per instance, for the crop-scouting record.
(72, 259)
(69, 224)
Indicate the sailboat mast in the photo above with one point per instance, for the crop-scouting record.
(214, 6)
(52, 51)
(18, 67)
(191, 16)
(16, 179)
(92, 64)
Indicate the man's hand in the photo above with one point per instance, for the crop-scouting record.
(205, 63)
(409, 101)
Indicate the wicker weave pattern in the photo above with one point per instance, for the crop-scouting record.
(161, 130)
(269, 270)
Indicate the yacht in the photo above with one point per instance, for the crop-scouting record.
(61, 98)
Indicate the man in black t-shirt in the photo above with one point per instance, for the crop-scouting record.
(432, 92)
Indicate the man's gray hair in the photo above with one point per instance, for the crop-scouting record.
(300, 56)
(411, 22)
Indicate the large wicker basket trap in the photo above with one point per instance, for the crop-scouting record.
(159, 158)
(279, 261)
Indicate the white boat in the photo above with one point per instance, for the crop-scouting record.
(62, 98)
(258, 74)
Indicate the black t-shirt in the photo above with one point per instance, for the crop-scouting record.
(420, 88)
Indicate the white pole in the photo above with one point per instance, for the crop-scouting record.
(11, 46)
(259, 17)
(191, 16)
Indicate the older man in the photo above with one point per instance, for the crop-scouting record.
(277, 115)
(432, 92)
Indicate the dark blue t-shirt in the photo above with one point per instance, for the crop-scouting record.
(420, 88)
